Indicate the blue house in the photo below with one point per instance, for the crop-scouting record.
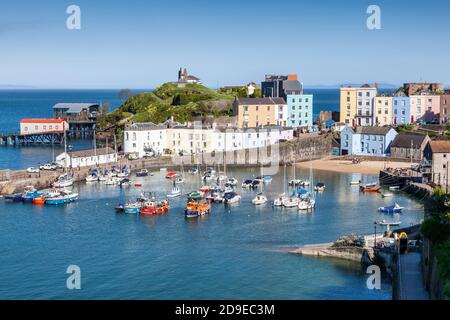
(368, 141)
(401, 110)
(300, 110)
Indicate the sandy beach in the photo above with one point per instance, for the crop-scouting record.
(346, 166)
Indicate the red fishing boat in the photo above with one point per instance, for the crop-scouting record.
(153, 207)
(171, 175)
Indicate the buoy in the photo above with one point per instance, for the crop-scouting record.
(138, 185)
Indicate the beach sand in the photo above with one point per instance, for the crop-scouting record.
(345, 166)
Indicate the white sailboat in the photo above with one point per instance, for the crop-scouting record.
(308, 203)
(260, 197)
(278, 202)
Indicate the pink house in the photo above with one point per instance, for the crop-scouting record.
(425, 107)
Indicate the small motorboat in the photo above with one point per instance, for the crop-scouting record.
(163, 169)
(14, 197)
(387, 195)
(391, 209)
(231, 197)
(194, 195)
(307, 204)
(120, 208)
(394, 188)
(125, 182)
(142, 173)
(176, 192)
(132, 207)
(179, 180)
(355, 183)
(232, 181)
(171, 175)
(278, 202)
(64, 197)
(370, 189)
(290, 202)
(247, 184)
(205, 189)
(193, 171)
(63, 181)
(259, 199)
(92, 178)
(319, 187)
(305, 183)
(267, 179)
(39, 200)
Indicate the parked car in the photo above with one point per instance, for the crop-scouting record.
(48, 166)
(33, 170)
(133, 156)
(149, 154)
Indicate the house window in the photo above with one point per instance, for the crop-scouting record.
(245, 108)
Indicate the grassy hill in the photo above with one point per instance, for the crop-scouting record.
(166, 101)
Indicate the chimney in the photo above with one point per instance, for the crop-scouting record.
(292, 77)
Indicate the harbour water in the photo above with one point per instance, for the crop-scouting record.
(236, 252)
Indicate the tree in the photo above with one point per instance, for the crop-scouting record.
(124, 94)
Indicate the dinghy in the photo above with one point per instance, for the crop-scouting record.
(259, 199)
(231, 197)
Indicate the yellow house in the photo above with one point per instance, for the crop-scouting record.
(383, 110)
(258, 112)
(348, 105)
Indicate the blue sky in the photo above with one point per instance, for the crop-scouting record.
(140, 44)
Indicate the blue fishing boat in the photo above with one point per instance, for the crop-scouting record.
(391, 209)
(132, 207)
(14, 198)
(64, 197)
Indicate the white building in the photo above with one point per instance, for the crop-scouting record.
(40, 126)
(162, 139)
(85, 158)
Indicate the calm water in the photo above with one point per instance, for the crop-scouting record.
(18, 104)
(234, 253)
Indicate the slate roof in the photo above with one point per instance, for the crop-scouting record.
(373, 130)
(91, 152)
(404, 139)
(261, 101)
(74, 107)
